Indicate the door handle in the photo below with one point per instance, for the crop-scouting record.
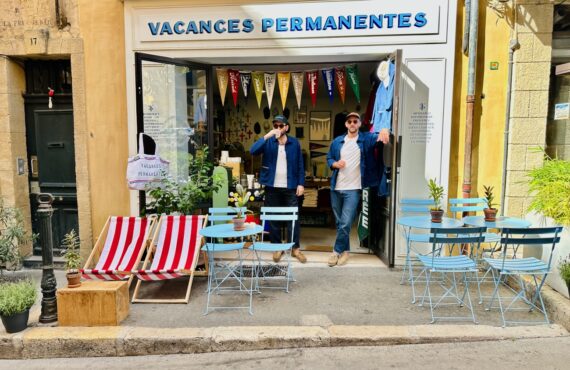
(34, 165)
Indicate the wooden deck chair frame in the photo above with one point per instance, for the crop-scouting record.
(149, 258)
(95, 254)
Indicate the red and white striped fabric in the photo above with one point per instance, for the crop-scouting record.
(176, 250)
(125, 238)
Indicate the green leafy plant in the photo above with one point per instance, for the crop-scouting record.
(185, 196)
(239, 198)
(16, 297)
(12, 236)
(564, 269)
(70, 247)
(435, 193)
(549, 185)
(489, 196)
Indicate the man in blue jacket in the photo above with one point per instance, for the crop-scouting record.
(283, 174)
(351, 157)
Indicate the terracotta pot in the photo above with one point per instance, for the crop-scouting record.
(73, 279)
(436, 216)
(239, 223)
(490, 214)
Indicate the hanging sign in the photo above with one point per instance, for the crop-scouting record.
(269, 86)
(328, 76)
(257, 79)
(316, 146)
(298, 86)
(234, 84)
(283, 79)
(352, 74)
(340, 74)
(313, 83)
(245, 78)
(222, 83)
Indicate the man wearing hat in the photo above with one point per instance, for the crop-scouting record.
(283, 174)
(351, 158)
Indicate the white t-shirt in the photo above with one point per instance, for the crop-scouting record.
(349, 177)
(281, 168)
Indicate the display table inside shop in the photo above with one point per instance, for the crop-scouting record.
(316, 209)
(94, 303)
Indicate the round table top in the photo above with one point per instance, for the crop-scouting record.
(227, 231)
(424, 222)
(500, 223)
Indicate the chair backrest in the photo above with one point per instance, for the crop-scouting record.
(280, 214)
(456, 236)
(412, 205)
(126, 237)
(217, 215)
(532, 237)
(460, 205)
(178, 243)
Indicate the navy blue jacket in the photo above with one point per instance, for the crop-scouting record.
(368, 164)
(295, 166)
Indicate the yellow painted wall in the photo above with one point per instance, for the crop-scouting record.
(489, 119)
(102, 28)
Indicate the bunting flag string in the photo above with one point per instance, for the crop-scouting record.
(283, 79)
(297, 78)
(222, 75)
(269, 86)
(313, 84)
(234, 84)
(352, 72)
(245, 78)
(340, 74)
(328, 76)
(257, 78)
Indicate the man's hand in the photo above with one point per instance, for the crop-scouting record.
(300, 190)
(384, 136)
(275, 132)
(339, 164)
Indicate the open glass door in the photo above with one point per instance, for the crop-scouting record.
(172, 109)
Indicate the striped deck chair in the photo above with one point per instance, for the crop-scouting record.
(125, 240)
(173, 253)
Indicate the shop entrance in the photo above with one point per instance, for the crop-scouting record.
(183, 105)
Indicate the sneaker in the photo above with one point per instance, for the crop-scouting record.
(333, 259)
(343, 259)
(296, 252)
(277, 256)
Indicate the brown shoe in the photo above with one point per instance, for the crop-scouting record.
(343, 259)
(296, 252)
(333, 260)
(277, 256)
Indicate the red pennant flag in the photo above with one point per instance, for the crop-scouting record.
(313, 82)
(234, 84)
(340, 73)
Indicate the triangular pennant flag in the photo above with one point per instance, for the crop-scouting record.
(328, 76)
(316, 146)
(257, 79)
(340, 74)
(269, 86)
(245, 78)
(298, 86)
(317, 154)
(283, 79)
(352, 74)
(234, 84)
(313, 84)
(222, 75)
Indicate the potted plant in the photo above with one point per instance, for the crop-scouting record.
(490, 212)
(239, 198)
(70, 246)
(13, 236)
(564, 271)
(16, 299)
(435, 193)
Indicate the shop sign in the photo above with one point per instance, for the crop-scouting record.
(291, 20)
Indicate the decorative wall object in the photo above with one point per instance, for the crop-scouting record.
(320, 125)
(301, 115)
(299, 132)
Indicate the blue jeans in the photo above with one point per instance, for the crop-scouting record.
(282, 197)
(345, 206)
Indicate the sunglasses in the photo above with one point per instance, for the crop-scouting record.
(278, 125)
(352, 121)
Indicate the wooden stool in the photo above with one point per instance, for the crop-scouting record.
(94, 303)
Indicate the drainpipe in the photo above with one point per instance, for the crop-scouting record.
(466, 27)
(513, 45)
(473, 29)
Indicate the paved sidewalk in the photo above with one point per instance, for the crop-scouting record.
(361, 303)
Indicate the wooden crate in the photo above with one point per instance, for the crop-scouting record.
(94, 303)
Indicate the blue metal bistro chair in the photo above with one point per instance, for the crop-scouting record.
(537, 269)
(265, 269)
(449, 267)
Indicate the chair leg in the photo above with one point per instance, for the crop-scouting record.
(428, 277)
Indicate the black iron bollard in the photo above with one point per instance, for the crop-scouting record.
(49, 284)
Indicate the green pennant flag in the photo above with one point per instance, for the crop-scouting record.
(352, 74)
(364, 217)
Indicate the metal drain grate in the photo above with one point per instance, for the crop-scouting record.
(268, 271)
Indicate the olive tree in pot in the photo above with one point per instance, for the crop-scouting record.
(435, 193)
(13, 236)
(16, 299)
(72, 259)
(491, 211)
